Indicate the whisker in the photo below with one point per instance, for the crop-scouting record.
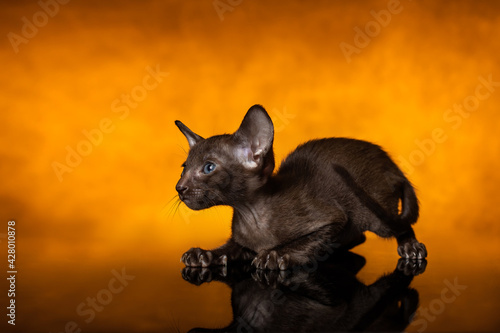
(173, 208)
(184, 150)
(179, 202)
(217, 195)
(216, 205)
(169, 201)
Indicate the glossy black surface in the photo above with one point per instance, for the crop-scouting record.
(146, 289)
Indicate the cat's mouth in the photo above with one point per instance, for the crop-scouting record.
(194, 199)
(191, 196)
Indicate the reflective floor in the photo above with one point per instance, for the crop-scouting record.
(146, 289)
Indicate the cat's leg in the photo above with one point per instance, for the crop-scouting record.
(385, 220)
(408, 245)
(316, 246)
(231, 251)
(350, 236)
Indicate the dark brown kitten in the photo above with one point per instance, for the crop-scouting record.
(325, 195)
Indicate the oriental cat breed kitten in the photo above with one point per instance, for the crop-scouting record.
(324, 195)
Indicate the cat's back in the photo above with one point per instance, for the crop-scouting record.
(319, 155)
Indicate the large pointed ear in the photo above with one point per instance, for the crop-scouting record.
(255, 137)
(191, 136)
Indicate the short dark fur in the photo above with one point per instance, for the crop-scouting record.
(326, 191)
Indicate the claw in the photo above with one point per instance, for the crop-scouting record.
(411, 267)
(224, 271)
(268, 278)
(224, 260)
(281, 263)
(414, 251)
(253, 261)
(284, 263)
(267, 261)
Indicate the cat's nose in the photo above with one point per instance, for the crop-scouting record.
(181, 188)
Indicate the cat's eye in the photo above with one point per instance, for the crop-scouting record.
(208, 168)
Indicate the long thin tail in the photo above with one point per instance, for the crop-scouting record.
(409, 203)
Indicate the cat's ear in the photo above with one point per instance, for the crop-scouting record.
(191, 136)
(255, 137)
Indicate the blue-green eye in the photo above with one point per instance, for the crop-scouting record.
(208, 168)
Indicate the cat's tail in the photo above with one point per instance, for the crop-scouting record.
(409, 204)
(409, 201)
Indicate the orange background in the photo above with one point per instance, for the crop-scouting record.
(288, 58)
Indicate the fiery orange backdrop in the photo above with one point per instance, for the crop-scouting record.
(86, 71)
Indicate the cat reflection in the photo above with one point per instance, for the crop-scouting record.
(322, 298)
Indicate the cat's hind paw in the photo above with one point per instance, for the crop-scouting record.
(197, 257)
(412, 250)
(271, 260)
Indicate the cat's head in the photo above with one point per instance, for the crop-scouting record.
(227, 169)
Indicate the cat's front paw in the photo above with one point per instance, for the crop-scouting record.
(271, 260)
(197, 257)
